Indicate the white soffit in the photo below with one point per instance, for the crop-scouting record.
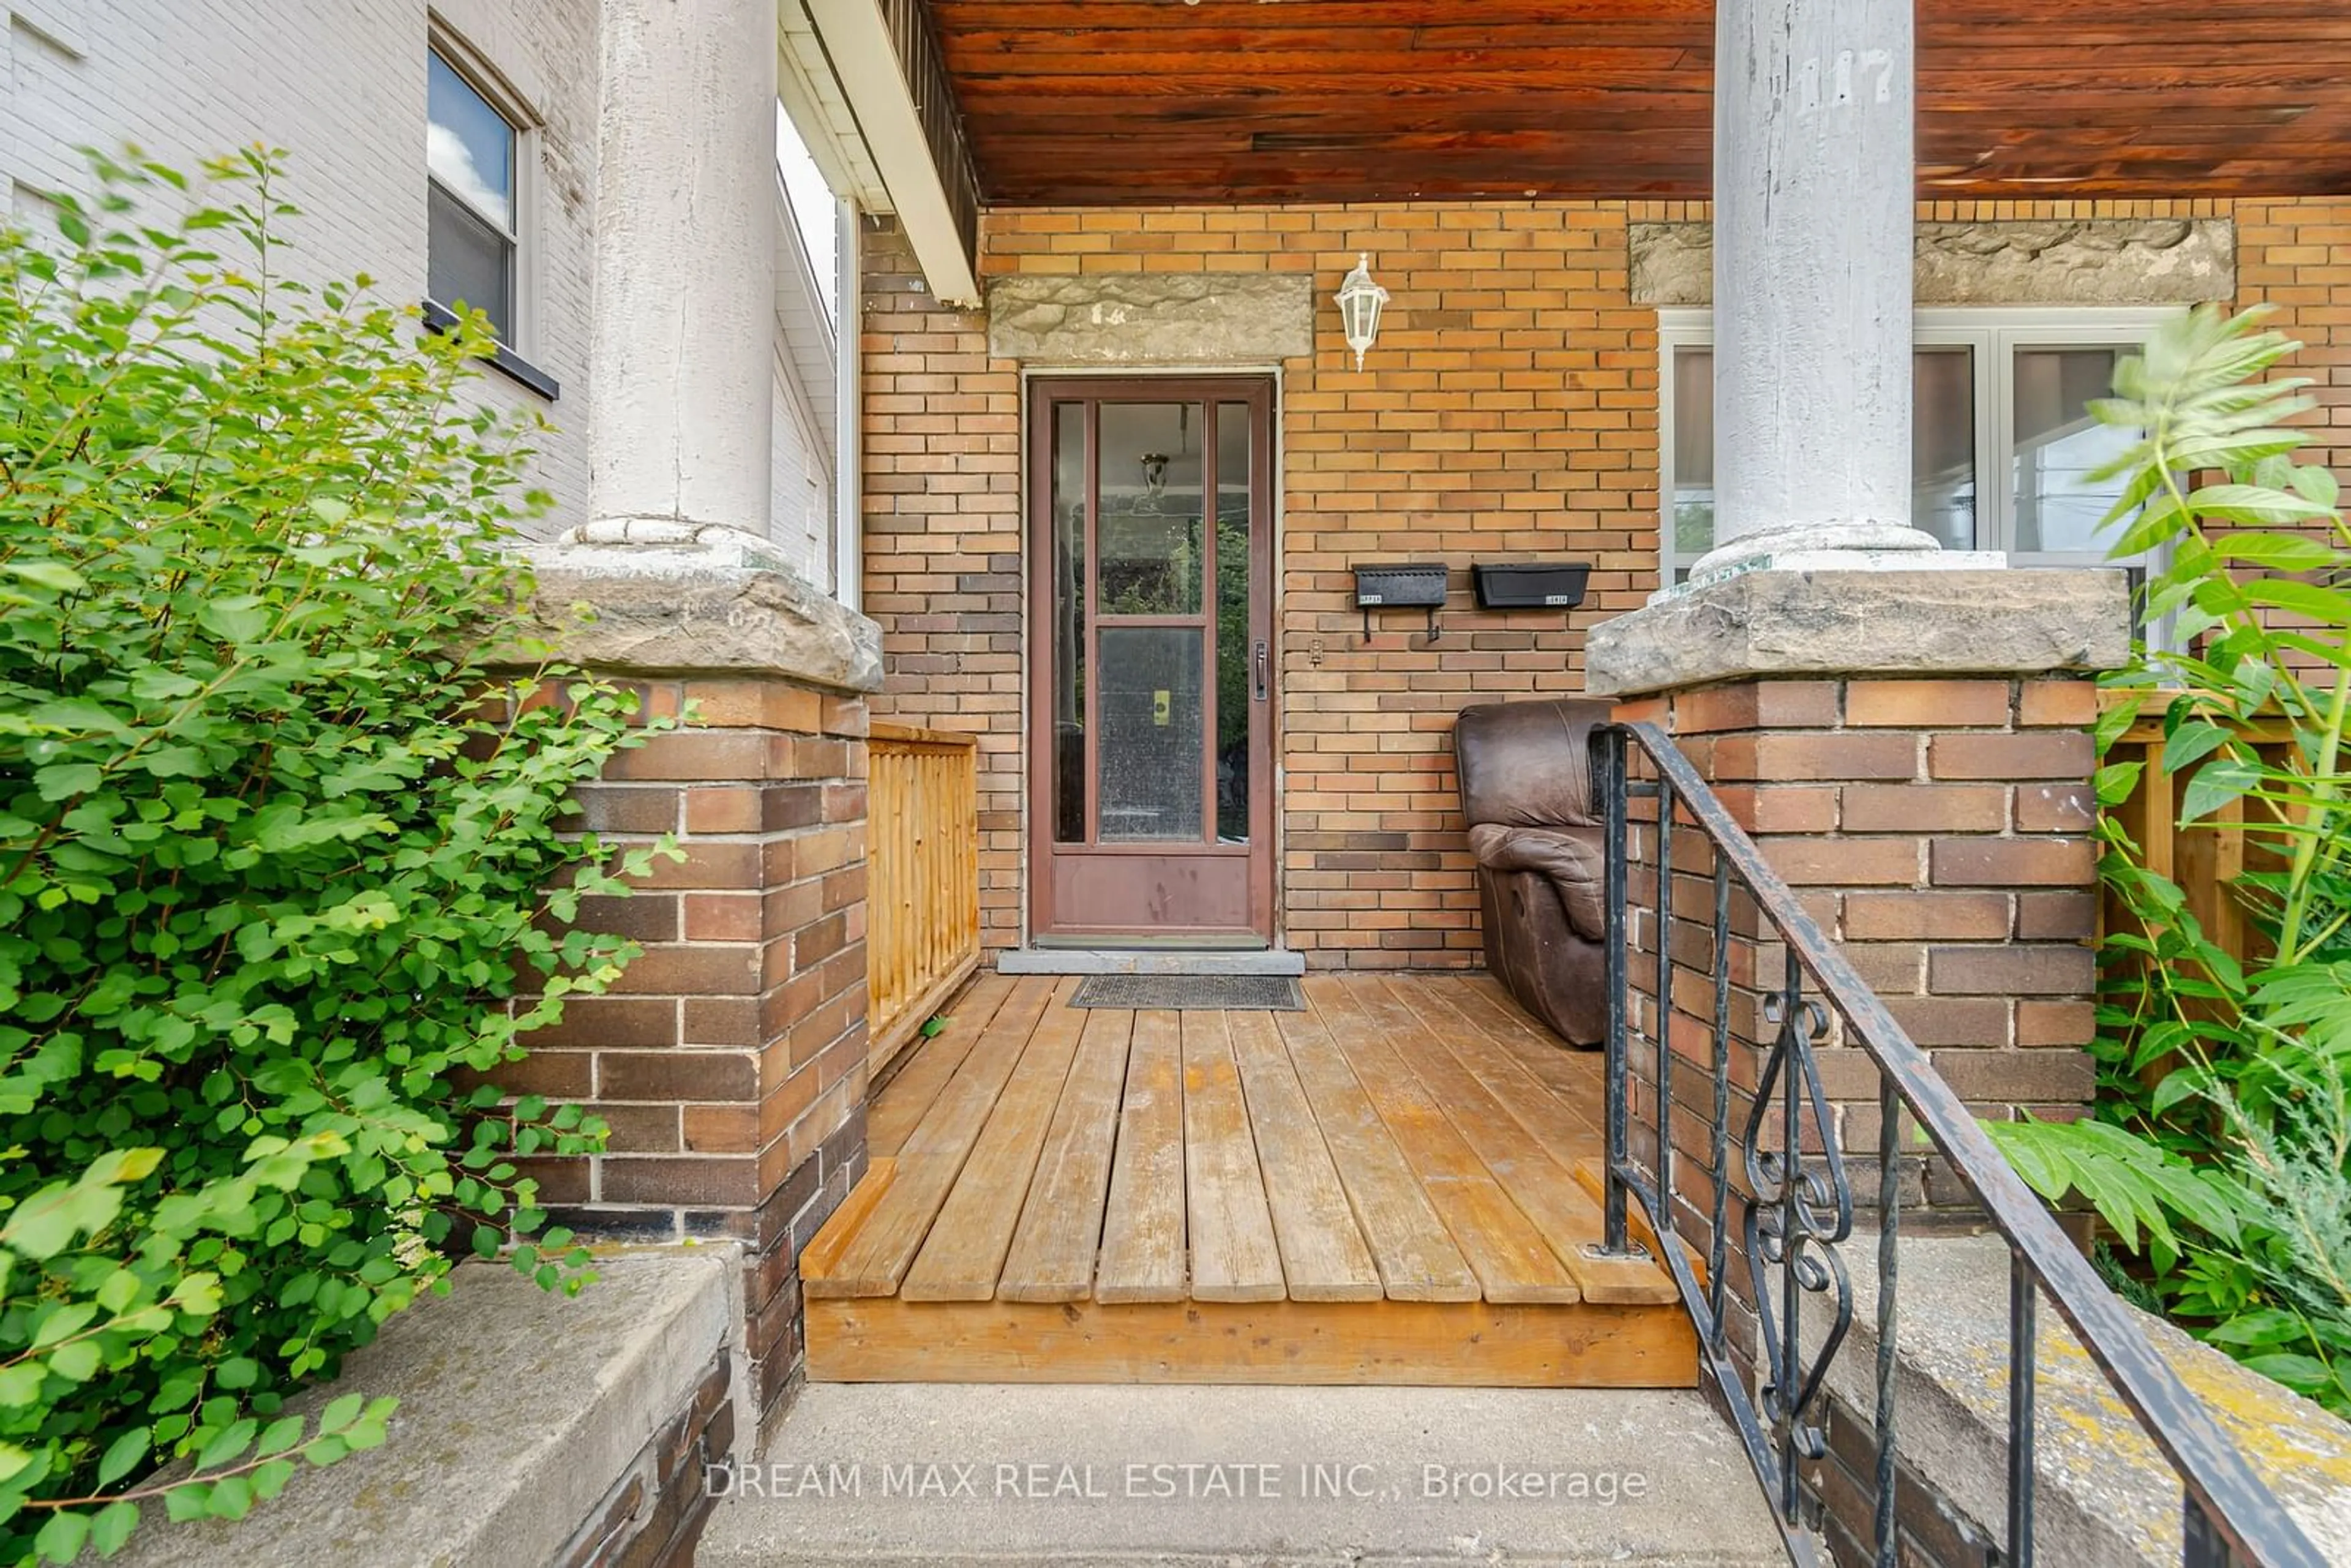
(846, 66)
(820, 112)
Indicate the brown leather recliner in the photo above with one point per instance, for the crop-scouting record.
(1534, 828)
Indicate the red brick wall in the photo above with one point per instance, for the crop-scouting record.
(1939, 831)
(729, 1059)
(2296, 256)
(1510, 408)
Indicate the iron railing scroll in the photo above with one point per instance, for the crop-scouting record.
(1781, 1171)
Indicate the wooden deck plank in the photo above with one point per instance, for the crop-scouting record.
(876, 1257)
(1053, 1249)
(1552, 1103)
(1573, 1075)
(822, 1256)
(1235, 1257)
(964, 1254)
(1513, 1262)
(1426, 1344)
(1323, 1255)
(1142, 1223)
(1415, 1255)
(902, 1101)
(1539, 1176)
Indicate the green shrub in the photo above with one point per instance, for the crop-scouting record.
(271, 873)
(2223, 1122)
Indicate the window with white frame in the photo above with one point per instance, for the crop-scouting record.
(2002, 440)
(475, 206)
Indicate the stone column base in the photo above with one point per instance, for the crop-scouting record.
(1895, 622)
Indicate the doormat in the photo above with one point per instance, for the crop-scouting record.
(1214, 993)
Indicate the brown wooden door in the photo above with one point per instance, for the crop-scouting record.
(1150, 657)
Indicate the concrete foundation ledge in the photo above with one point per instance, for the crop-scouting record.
(532, 1428)
(658, 597)
(2107, 1498)
(1893, 622)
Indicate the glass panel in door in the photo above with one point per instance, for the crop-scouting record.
(1150, 471)
(1151, 738)
(1235, 655)
(1069, 659)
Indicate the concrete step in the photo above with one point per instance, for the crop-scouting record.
(930, 1474)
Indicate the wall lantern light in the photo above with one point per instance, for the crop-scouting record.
(1360, 300)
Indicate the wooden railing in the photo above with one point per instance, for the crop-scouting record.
(921, 831)
(2205, 858)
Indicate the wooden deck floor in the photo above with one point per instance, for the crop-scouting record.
(1396, 1186)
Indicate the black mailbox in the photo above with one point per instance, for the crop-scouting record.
(1419, 586)
(1400, 587)
(1532, 585)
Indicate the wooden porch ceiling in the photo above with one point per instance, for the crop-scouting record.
(1108, 102)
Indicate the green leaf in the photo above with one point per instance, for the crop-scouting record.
(2256, 504)
(2215, 785)
(64, 780)
(2316, 484)
(279, 1435)
(2278, 552)
(63, 1537)
(53, 575)
(228, 1446)
(113, 1526)
(2192, 741)
(76, 1361)
(123, 1455)
(231, 1498)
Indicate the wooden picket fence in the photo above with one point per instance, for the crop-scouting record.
(923, 870)
(2205, 858)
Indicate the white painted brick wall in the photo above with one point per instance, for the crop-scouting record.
(340, 85)
(801, 509)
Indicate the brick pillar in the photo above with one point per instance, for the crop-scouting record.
(1909, 750)
(1938, 829)
(730, 1059)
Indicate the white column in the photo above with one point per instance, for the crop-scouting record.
(684, 314)
(1813, 177)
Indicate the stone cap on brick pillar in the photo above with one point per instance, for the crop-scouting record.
(681, 598)
(1884, 621)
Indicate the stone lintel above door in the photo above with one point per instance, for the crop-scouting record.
(1151, 319)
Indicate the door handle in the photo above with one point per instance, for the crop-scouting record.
(1260, 660)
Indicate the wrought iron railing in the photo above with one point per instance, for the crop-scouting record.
(1796, 1209)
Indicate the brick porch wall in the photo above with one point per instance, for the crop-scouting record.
(1510, 407)
(1936, 829)
(730, 1059)
(1938, 832)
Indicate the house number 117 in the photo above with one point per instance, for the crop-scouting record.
(1878, 63)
